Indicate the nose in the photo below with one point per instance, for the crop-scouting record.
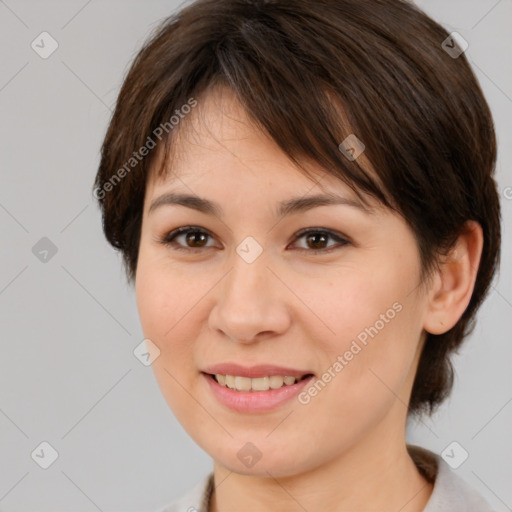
(250, 302)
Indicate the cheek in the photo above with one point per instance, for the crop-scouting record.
(163, 304)
(164, 297)
(374, 323)
(166, 310)
(357, 303)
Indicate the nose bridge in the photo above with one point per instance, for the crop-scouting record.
(247, 304)
(248, 278)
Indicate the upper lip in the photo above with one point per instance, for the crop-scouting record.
(260, 370)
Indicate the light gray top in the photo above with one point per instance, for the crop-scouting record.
(450, 492)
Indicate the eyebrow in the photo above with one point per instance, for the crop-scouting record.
(286, 207)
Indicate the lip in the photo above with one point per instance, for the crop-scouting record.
(255, 401)
(261, 370)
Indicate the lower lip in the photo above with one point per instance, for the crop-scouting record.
(255, 401)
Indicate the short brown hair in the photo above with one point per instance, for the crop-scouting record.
(420, 112)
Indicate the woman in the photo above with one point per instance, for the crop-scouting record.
(303, 195)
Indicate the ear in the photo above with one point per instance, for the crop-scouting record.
(452, 285)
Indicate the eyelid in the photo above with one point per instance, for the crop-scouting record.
(340, 238)
(169, 238)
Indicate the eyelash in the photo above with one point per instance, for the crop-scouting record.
(169, 239)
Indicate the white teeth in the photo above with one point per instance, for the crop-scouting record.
(230, 381)
(238, 383)
(260, 384)
(243, 383)
(276, 381)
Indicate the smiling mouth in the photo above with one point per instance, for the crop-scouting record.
(245, 384)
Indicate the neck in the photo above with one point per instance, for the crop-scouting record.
(376, 475)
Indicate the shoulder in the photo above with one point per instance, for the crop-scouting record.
(450, 491)
(195, 499)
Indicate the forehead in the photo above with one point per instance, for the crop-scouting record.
(218, 148)
(216, 133)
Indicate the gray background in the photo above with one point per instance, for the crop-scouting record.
(69, 325)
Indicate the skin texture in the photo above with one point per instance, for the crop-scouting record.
(345, 449)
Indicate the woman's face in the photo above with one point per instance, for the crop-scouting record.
(244, 287)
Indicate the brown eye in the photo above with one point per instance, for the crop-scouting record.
(195, 237)
(316, 240)
(192, 238)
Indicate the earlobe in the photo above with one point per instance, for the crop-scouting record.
(453, 284)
